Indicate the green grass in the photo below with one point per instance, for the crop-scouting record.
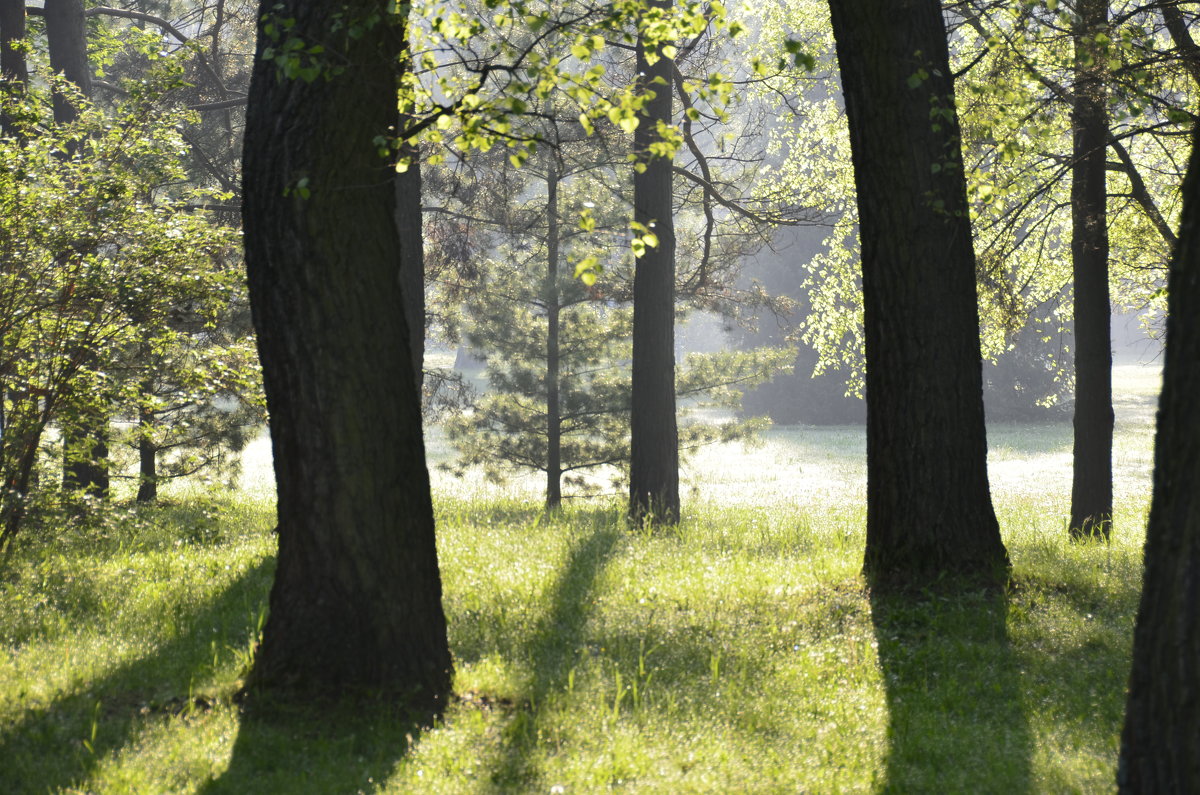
(739, 653)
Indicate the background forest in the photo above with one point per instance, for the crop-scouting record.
(620, 251)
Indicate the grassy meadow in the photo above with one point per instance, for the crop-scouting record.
(737, 653)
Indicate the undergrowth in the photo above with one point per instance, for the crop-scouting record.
(739, 652)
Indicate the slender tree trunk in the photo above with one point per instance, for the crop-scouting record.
(1181, 36)
(929, 510)
(1091, 490)
(654, 436)
(553, 310)
(356, 604)
(147, 458)
(1162, 717)
(412, 259)
(20, 461)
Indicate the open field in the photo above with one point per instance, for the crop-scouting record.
(739, 653)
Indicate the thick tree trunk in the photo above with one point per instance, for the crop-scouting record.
(929, 510)
(654, 437)
(13, 71)
(553, 363)
(1091, 489)
(1162, 718)
(66, 38)
(356, 603)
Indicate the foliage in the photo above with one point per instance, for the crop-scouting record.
(525, 252)
(114, 292)
(1014, 62)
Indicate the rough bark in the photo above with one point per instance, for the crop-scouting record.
(356, 603)
(553, 363)
(1162, 717)
(929, 510)
(1091, 488)
(654, 436)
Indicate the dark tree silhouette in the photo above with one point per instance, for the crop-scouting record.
(654, 435)
(1091, 487)
(1162, 717)
(12, 30)
(356, 602)
(929, 510)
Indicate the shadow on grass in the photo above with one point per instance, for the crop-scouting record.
(954, 695)
(554, 649)
(129, 698)
(315, 747)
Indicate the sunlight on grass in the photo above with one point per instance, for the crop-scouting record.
(737, 652)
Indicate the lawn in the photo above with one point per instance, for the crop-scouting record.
(738, 653)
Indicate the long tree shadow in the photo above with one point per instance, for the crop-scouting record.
(954, 695)
(132, 696)
(555, 648)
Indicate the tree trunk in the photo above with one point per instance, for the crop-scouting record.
(654, 437)
(14, 75)
(147, 459)
(66, 38)
(1162, 717)
(85, 453)
(929, 510)
(1185, 46)
(356, 604)
(1091, 489)
(412, 259)
(553, 310)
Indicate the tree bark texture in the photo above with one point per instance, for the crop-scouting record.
(654, 436)
(1091, 487)
(1161, 738)
(929, 510)
(356, 603)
